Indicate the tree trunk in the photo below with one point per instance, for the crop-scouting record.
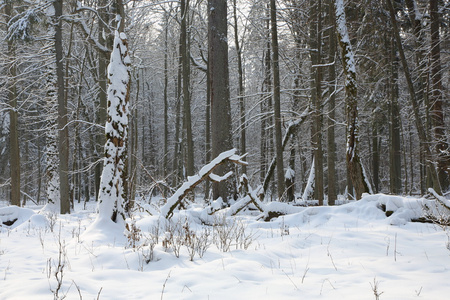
(277, 100)
(208, 131)
(331, 143)
(395, 165)
(437, 114)
(63, 131)
(241, 90)
(166, 102)
(185, 53)
(220, 94)
(375, 157)
(102, 83)
(353, 161)
(112, 197)
(14, 160)
(266, 135)
(316, 95)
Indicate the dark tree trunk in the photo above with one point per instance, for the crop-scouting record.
(219, 89)
(277, 100)
(14, 161)
(63, 132)
(395, 171)
(186, 88)
(331, 143)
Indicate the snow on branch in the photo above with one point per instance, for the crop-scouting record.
(442, 200)
(193, 181)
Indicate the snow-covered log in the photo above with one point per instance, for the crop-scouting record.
(250, 198)
(193, 181)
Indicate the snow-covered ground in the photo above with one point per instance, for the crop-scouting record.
(342, 252)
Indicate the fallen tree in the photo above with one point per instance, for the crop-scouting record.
(205, 173)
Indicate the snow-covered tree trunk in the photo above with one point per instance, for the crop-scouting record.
(52, 158)
(348, 60)
(111, 196)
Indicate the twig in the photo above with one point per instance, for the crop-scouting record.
(290, 279)
(164, 284)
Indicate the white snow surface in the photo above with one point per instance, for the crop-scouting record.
(326, 252)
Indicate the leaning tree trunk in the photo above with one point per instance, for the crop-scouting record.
(353, 161)
(423, 138)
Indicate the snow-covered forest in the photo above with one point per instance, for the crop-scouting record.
(224, 149)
